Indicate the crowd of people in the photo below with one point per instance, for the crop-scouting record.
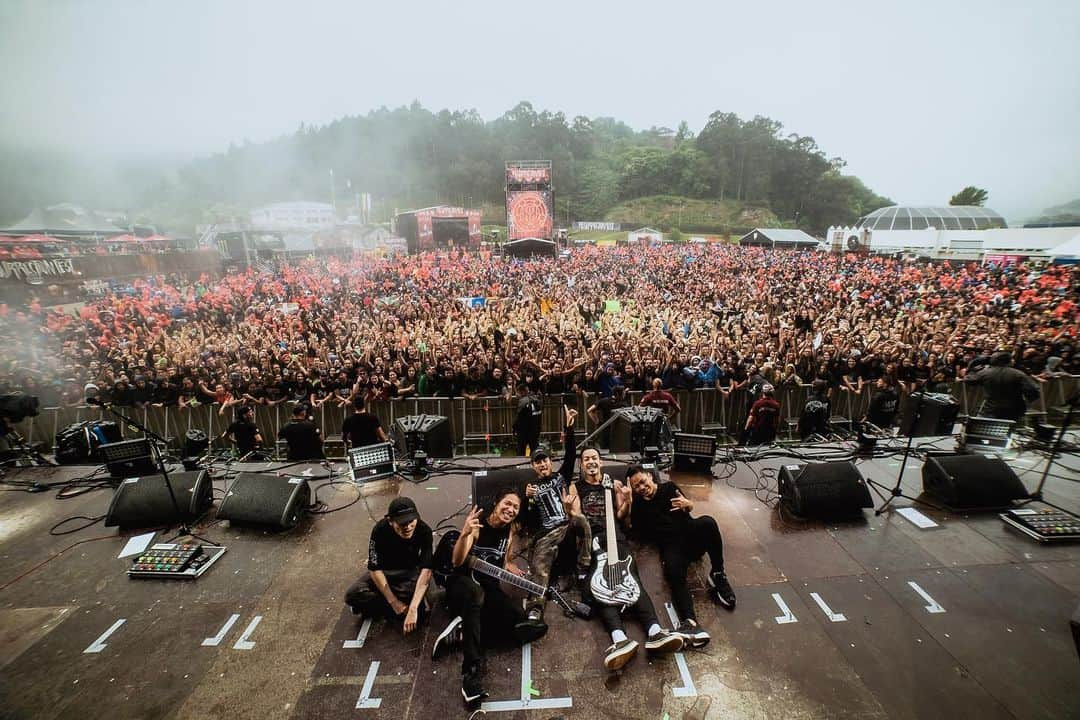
(324, 331)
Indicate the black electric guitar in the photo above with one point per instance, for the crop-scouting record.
(444, 566)
(611, 582)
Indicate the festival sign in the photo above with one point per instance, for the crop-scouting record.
(34, 270)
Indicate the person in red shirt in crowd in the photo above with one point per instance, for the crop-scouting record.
(763, 420)
(660, 398)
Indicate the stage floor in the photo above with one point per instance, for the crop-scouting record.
(869, 619)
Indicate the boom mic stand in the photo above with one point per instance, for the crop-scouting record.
(895, 491)
(185, 530)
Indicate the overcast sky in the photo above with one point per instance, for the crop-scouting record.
(921, 98)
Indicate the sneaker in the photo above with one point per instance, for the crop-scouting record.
(620, 653)
(693, 634)
(722, 589)
(357, 612)
(664, 641)
(448, 639)
(535, 615)
(472, 687)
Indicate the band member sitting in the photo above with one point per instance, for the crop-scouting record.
(589, 494)
(301, 436)
(660, 514)
(550, 502)
(243, 431)
(399, 568)
(483, 611)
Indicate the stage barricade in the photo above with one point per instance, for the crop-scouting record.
(480, 425)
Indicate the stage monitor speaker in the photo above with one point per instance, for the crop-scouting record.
(265, 499)
(936, 415)
(824, 490)
(971, 482)
(486, 483)
(636, 428)
(427, 433)
(144, 501)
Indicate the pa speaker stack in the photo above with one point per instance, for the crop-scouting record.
(638, 428)
(265, 499)
(429, 434)
(144, 501)
(972, 482)
(824, 490)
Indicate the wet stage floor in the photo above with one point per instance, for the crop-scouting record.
(868, 619)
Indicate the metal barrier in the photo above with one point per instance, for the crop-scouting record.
(486, 424)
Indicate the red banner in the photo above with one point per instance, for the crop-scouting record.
(529, 214)
(528, 175)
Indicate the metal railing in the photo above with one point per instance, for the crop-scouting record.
(486, 424)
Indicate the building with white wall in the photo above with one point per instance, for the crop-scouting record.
(293, 216)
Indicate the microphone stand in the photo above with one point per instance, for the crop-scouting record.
(1054, 452)
(185, 530)
(896, 492)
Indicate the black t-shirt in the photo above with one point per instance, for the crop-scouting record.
(303, 439)
(883, 407)
(360, 429)
(491, 546)
(244, 431)
(593, 508)
(529, 411)
(388, 551)
(607, 406)
(653, 518)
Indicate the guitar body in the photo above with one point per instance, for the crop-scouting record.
(614, 584)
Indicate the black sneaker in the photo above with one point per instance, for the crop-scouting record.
(357, 612)
(722, 589)
(693, 634)
(620, 653)
(535, 615)
(448, 639)
(530, 630)
(663, 641)
(472, 687)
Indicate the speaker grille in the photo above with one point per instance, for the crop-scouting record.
(829, 490)
(144, 501)
(971, 481)
(265, 499)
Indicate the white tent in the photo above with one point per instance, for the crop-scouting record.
(1068, 250)
(645, 236)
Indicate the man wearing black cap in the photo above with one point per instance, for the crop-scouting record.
(555, 514)
(399, 568)
(1008, 390)
(301, 436)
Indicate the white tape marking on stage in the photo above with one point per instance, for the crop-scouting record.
(835, 617)
(788, 616)
(933, 607)
(366, 702)
(243, 643)
(360, 638)
(688, 688)
(527, 702)
(99, 644)
(216, 640)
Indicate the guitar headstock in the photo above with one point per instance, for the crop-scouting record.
(607, 482)
(578, 609)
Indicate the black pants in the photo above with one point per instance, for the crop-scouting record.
(365, 598)
(487, 614)
(527, 437)
(701, 537)
(611, 615)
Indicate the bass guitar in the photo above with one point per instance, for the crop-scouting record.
(612, 582)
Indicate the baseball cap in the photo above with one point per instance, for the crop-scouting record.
(402, 511)
(540, 453)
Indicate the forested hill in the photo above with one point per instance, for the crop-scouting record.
(412, 157)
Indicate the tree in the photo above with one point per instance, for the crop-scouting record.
(970, 195)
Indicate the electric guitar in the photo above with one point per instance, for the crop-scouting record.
(611, 582)
(476, 565)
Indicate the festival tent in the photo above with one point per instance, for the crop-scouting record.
(1067, 253)
(526, 247)
(64, 221)
(779, 237)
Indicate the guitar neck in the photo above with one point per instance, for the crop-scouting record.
(609, 510)
(486, 568)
